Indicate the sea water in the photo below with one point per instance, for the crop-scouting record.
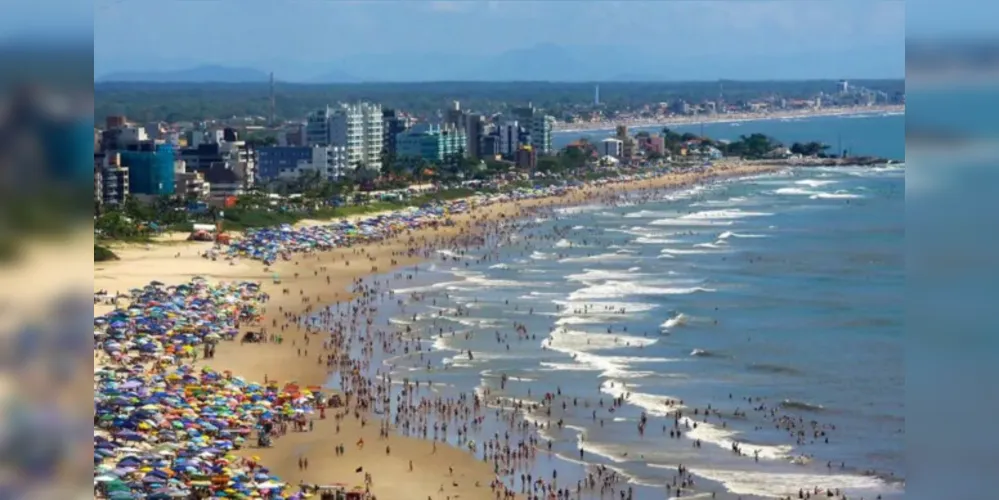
(874, 134)
(781, 290)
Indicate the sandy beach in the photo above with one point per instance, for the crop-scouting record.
(414, 468)
(668, 121)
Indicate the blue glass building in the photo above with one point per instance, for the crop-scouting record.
(150, 169)
(272, 160)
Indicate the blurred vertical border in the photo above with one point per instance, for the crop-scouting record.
(952, 224)
(46, 182)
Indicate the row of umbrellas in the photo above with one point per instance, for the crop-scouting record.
(270, 244)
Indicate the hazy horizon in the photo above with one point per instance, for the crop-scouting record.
(352, 41)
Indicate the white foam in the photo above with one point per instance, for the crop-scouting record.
(795, 191)
(584, 348)
(473, 281)
(735, 200)
(838, 195)
(574, 342)
(690, 222)
(714, 246)
(597, 258)
(653, 404)
(724, 214)
(563, 243)
(679, 251)
(646, 240)
(729, 234)
(724, 438)
(539, 295)
(500, 266)
(675, 321)
(596, 275)
(814, 183)
(647, 214)
(633, 231)
(776, 485)
(815, 195)
(579, 320)
(613, 289)
(536, 255)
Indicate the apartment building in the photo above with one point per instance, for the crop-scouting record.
(358, 128)
(539, 127)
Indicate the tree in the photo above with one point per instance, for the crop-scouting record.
(809, 149)
(549, 164)
(573, 158)
(754, 146)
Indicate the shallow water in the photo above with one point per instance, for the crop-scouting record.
(783, 287)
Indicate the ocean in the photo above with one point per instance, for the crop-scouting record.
(774, 300)
(861, 134)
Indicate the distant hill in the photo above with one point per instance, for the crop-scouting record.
(546, 62)
(334, 76)
(200, 74)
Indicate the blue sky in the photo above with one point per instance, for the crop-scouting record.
(174, 34)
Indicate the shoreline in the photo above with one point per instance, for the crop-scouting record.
(453, 351)
(283, 362)
(610, 125)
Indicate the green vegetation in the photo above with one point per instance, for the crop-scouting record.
(137, 222)
(175, 102)
(809, 149)
(103, 254)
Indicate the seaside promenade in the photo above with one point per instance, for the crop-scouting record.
(396, 466)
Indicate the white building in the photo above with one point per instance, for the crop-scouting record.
(331, 161)
(357, 128)
(612, 147)
(132, 135)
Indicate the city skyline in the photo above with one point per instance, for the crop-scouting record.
(422, 41)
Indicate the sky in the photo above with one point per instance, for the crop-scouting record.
(176, 34)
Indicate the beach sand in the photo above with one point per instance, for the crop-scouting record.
(178, 261)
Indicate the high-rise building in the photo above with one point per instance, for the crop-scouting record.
(111, 180)
(611, 147)
(508, 138)
(356, 127)
(317, 127)
(439, 144)
(539, 126)
(475, 130)
(454, 115)
(150, 168)
(392, 125)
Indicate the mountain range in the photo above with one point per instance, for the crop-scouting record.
(543, 62)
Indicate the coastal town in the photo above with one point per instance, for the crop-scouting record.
(370, 146)
(240, 270)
